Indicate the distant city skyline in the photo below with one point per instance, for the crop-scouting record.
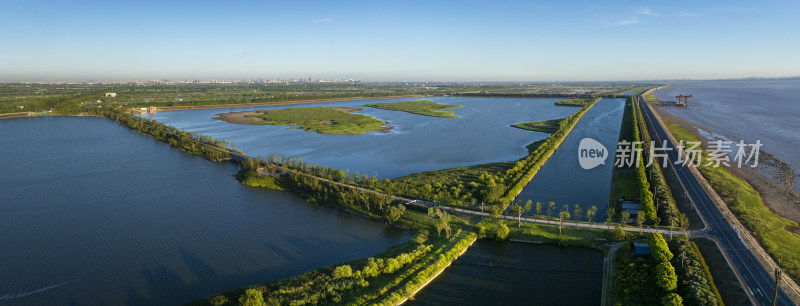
(520, 41)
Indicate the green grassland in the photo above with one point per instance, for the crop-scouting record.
(419, 107)
(746, 203)
(549, 126)
(323, 120)
(575, 102)
(252, 178)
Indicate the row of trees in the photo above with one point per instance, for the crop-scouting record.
(332, 285)
(665, 207)
(645, 196)
(202, 145)
(665, 272)
(523, 170)
(646, 280)
(695, 283)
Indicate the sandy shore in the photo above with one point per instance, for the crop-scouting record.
(178, 108)
(772, 178)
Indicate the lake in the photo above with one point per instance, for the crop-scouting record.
(415, 143)
(748, 110)
(563, 181)
(94, 213)
(511, 273)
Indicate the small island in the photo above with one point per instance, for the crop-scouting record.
(323, 120)
(549, 126)
(419, 107)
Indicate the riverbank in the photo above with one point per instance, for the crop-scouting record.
(191, 107)
(771, 231)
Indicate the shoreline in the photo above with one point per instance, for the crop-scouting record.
(238, 105)
(775, 190)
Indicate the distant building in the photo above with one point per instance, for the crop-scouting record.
(152, 109)
(111, 95)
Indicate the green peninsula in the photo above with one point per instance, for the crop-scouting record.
(419, 107)
(549, 126)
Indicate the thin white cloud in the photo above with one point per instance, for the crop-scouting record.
(624, 21)
(322, 20)
(648, 12)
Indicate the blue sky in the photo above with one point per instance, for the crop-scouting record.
(398, 40)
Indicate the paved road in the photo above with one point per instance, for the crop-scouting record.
(757, 280)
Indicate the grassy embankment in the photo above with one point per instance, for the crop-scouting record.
(384, 279)
(323, 120)
(744, 201)
(419, 107)
(624, 178)
(524, 169)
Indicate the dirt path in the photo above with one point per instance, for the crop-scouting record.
(608, 273)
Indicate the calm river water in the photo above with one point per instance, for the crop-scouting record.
(94, 213)
(749, 110)
(416, 143)
(562, 180)
(509, 273)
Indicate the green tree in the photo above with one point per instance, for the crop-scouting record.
(528, 205)
(497, 211)
(252, 297)
(577, 211)
(502, 231)
(590, 214)
(551, 207)
(393, 214)
(338, 175)
(443, 224)
(624, 217)
(665, 276)
(218, 300)
(610, 215)
(538, 209)
(563, 216)
(342, 272)
(672, 299)
(640, 220)
(618, 234)
(421, 236)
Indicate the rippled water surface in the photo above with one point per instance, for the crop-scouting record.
(563, 181)
(509, 273)
(750, 110)
(94, 213)
(482, 134)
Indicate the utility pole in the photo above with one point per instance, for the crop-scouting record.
(777, 282)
